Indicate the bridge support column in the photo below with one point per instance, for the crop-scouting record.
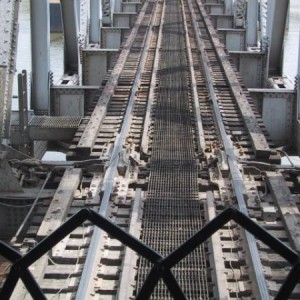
(78, 9)
(40, 49)
(276, 22)
(118, 6)
(222, 21)
(280, 103)
(70, 26)
(95, 22)
(96, 62)
(123, 19)
(106, 12)
(131, 7)
(252, 18)
(215, 8)
(112, 37)
(228, 7)
(250, 66)
(234, 39)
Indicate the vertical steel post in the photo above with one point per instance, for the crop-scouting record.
(276, 22)
(95, 21)
(297, 122)
(112, 5)
(228, 7)
(298, 85)
(23, 110)
(106, 12)
(78, 9)
(252, 18)
(40, 50)
(70, 27)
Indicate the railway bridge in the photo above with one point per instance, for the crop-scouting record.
(181, 135)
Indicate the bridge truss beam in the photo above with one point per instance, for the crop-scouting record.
(70, 16)
(40, 49)
(276, 24)
(252, 18)
(94, 22)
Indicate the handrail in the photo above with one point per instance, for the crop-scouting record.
(162, 265)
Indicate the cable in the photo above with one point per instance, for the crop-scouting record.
(230, 263)
(71, 273)
(287, 156)
(32, 208)
(40, 163)
(19, 199)
(17, 206)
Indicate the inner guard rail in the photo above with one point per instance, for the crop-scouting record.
(162, 265)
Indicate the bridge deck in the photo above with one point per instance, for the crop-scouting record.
(172, 150)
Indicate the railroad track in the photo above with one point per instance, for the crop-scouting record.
(172, 140)
(91, 140)
(67, 260)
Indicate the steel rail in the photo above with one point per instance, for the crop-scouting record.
(145, 137)
(88, 138)
(108, 181)
(200, 136)
(258, 139)
(216, 251)
(237, 179)
(130, 257)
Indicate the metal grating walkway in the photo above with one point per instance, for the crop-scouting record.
(172, 211)
(55, 121)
